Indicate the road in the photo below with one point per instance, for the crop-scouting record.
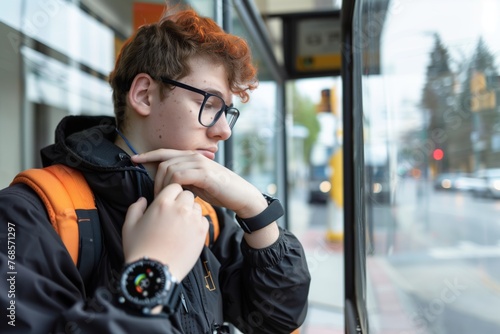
(433, 266)
(442, 252)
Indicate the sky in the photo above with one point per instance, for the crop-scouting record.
(411, 24)
(392, 99)
(408, 39)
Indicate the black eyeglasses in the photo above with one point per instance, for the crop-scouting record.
(211, 108)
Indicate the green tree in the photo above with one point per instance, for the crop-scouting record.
(478, 102)
(304, 113)
(437, 100)
(483, 60)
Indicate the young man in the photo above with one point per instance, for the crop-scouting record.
(172, 88)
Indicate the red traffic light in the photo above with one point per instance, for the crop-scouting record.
(438, 154)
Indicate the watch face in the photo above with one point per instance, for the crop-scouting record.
(144, 282)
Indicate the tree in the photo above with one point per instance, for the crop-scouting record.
(437, 100)
(304, 113)
(483, 60)
(477, 103)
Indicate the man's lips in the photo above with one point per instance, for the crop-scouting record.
(209, 153)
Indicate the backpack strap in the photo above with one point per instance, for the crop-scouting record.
(208, 211)
(68, 199)
(56, 185)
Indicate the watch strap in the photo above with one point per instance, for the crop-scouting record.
(173, 300)
(266, 217)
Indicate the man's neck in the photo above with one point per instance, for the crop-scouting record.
(129, 149)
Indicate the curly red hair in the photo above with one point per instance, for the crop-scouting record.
(164, 48)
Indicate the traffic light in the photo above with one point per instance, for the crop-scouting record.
(438, 154)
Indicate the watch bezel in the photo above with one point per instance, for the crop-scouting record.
(162, 296)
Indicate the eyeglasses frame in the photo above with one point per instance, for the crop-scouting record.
(206, 95)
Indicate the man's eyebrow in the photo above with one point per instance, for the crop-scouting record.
(214, 91)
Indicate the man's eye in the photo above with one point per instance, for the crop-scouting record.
(199, 102)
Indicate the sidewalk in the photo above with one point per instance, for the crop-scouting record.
(386, 308)
(326, 265)
(326, 295)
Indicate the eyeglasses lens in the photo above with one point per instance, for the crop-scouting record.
(212, 107)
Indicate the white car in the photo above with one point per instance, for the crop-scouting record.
(491, 183)
(469, 183)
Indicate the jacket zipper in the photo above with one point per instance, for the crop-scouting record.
(183, 300)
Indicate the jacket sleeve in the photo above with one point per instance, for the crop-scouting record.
(264, 290)
(43, 292)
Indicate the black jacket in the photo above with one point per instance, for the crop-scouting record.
(259, 291)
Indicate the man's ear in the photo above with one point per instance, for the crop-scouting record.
(139, 94)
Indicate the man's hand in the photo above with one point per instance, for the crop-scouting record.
(206, 178)
(172, 230)
(214, 183)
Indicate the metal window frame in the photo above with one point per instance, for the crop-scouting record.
(356, 320)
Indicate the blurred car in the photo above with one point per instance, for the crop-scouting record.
(470, 183)
(319, 191)
(448, 181)
(464, 182)
(319, 185)
(491, 183)
(379, 185)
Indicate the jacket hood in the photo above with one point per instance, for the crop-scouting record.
(86, 143)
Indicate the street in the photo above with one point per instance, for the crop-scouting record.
(442, 252)
(433, 264)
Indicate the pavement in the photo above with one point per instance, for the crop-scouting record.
(415, 285)
(387, 311)
(326, 295)
(326, 265)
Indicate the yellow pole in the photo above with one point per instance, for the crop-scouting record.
(335, 224)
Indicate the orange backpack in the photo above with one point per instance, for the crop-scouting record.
(73, 214)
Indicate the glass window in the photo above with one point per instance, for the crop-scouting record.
(314, 130)
(432, 162)
(204, 7)
(51, 82)
(254, 136)
(64, 27)
(66, 55)
(11, 14)
(257, 130)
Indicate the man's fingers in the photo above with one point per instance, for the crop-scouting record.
(159, 155)
(136, 211)
(185, 196)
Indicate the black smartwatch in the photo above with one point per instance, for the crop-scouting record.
(266, 217)
(145, 284)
